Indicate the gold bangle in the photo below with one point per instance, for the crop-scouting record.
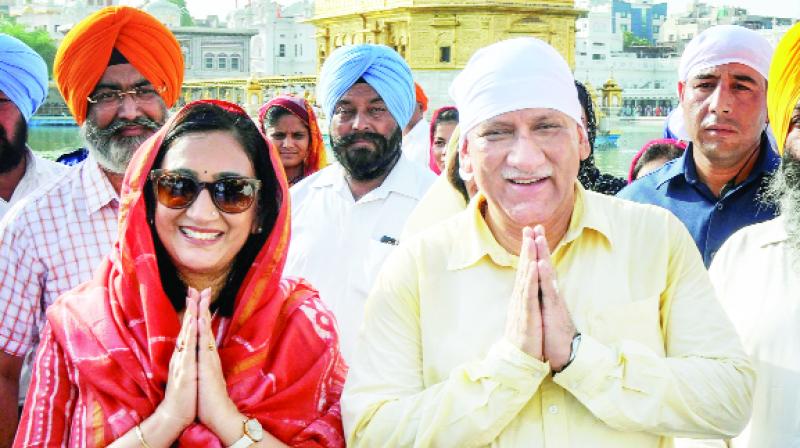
(140, 436)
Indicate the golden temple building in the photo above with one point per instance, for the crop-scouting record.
(437, 37)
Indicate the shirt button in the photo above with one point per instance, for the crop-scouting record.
(720, 205)
(553, 409)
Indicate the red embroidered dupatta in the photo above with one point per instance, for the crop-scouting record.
(280, 354)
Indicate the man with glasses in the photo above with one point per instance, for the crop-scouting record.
(118, 71)
(347, 217)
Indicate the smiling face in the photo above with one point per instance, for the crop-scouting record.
(201, 240)
(525, 162)
(725, 110)
(291, 138)
(113, 131)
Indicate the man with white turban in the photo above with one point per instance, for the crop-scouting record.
(757, 272)
(715, 188)
(118, 69)
(534, 318)
(23, 88)
(348, 216)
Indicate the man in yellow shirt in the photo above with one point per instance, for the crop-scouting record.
(543, 315)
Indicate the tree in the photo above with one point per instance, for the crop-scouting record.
(186, 18)
(39, 40)
(630, 40)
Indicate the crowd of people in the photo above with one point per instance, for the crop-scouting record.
(200, 278)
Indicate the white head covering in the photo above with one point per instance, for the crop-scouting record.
(510, 75)
(726, 44)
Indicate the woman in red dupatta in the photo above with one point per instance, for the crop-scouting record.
(290, 125)
(443, 122)
(115, 359)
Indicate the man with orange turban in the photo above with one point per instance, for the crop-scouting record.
(118, 70)
(416, 138)
(757, 271)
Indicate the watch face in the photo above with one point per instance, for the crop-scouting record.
(254, 429)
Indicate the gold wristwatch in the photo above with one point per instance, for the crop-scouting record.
(253, 432)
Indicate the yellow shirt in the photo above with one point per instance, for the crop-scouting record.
(658, 357)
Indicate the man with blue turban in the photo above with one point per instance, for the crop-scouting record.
(23, 88)
(347, 217)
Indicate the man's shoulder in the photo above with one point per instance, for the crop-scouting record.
(650, 188)
(45, 202)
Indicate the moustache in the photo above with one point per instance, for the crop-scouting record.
(117, 125)
(350, 139)
(513, 173)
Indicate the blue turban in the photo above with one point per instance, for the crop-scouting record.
(380, 66)
(23, 75)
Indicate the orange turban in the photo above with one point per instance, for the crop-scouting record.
(148, 45)
(421, 98)
(783, 91)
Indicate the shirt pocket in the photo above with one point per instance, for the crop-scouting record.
(375, 254)
(638, 321)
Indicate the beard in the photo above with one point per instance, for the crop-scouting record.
(112, 151)
(363, 164)
(784, 190)
(13, 151)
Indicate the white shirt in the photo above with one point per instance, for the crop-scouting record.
(336, 241)
(38, 172)
(758, 282)
(417, 144)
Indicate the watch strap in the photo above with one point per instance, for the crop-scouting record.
(244, 442)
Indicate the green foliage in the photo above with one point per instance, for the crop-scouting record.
(39, 40)
(186, 18)
(628, 40)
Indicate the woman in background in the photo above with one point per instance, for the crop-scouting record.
(653, 155)
(291, 127)
(443, 123)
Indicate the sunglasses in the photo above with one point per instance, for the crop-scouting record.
(230, 194)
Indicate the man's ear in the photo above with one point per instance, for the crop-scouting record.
(464, 159)
(681, 88)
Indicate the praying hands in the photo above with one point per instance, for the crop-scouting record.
(538, 321)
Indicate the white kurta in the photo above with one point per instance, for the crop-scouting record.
(38, 172)
(758, 283)
(339, 245)
(417, 144)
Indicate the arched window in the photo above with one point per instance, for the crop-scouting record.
(209, 61)
(235, 58)
(222, 61)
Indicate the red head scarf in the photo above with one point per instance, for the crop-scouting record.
(315, 159)
(280, 353)
(660, 141)
(83, 55)
(432, 158)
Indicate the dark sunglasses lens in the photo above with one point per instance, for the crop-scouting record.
(234, 195)
(175, 191)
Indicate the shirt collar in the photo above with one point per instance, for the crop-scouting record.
(767, 161)
(398, 181)
(98, 189)
(772, 232)
(478, 240)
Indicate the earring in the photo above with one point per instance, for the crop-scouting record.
(465, 176)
